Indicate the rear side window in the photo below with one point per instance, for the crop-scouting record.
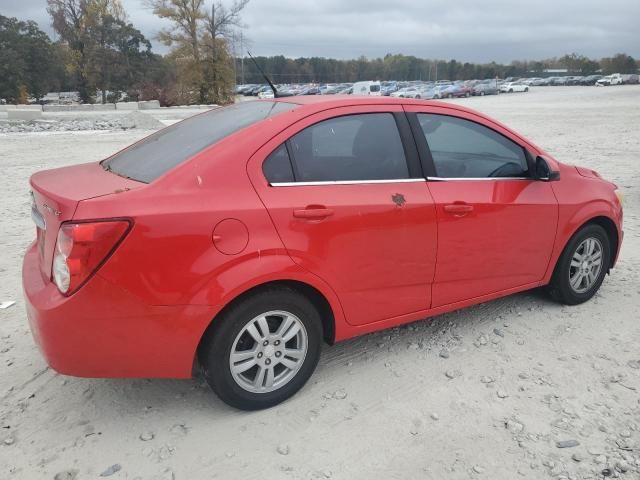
(465, 149)
(277, 166)
(354, 147)
(150, 158)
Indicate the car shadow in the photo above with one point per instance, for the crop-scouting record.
(173, 397)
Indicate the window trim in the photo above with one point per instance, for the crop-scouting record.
(411, 155)
(346, 182)
(475, 179)
(426, 156)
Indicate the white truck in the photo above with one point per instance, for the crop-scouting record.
(367, 88)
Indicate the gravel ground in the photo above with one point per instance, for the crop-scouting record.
(515, 388)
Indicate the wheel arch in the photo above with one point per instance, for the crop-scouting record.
(609, 226)
(313, 293)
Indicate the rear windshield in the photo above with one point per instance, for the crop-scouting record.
(151, 157)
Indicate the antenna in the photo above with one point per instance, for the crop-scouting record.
(275, 90)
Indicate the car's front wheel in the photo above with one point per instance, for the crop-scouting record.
(262, 349)
(582, 266)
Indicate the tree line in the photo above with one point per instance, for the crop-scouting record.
(407, 67)
(101, 55)
(99, 51)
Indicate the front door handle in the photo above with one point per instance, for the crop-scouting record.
(311, 213)
(458, 209)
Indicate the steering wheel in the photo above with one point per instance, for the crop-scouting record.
(508, 169)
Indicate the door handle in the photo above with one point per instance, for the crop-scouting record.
(313, 213)
(458, 209)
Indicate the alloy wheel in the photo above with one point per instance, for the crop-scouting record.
(268, 352)
(586, 264)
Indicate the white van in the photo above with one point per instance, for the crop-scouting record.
(367, 88)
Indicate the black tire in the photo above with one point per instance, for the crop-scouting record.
(526, 89)
(510, 90)
(215, 350)
(417, 97)
(560, 287)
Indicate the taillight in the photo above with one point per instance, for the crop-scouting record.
(81, 248)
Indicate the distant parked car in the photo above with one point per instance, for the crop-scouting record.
(456, 91)
(615, 79)
(264, 94)
(590, 79)
(483, 89)
(407, 92)
(539, 82)
(514, 87)
(630, 78)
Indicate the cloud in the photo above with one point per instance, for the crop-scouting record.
(467, 30)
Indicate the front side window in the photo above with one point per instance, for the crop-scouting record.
(354, 147)
(465, 149)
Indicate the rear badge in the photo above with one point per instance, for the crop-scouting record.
(398, 199)
(51, 210)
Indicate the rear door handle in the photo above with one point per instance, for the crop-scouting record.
(458, 209)
(313, 213)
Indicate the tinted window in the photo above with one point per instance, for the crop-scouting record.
(353, 147)
(277, 167)
(148, 159)
(465, 149)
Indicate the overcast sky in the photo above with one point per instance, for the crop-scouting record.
(467, 30)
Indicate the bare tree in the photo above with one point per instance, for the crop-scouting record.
(200, 37)
(186, 16)
(222, 18)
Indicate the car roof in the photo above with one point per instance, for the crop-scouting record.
(323, 102)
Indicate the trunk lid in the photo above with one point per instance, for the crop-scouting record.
(56, 194)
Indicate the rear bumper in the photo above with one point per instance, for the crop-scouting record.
(104, 331)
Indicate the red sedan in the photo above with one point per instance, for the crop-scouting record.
(240, 239)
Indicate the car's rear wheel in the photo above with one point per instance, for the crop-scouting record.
(526, 89)
(263, 349)
(582, 266)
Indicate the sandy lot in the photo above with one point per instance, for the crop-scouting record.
(480, 393)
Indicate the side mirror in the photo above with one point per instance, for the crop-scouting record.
(544, 172)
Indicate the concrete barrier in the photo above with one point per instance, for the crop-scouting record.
(25, 115)
(149, 104)
(127, 106)
(86, 107)
(99, 107)
(6, 108)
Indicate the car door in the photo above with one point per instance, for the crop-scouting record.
(348, 199)
(496, 224)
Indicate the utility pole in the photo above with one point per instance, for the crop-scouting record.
(241, 57)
